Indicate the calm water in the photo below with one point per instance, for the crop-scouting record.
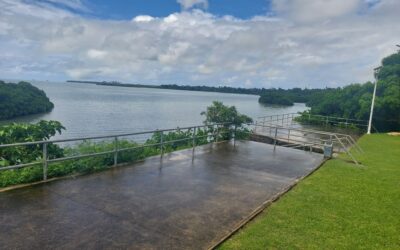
(91, 110)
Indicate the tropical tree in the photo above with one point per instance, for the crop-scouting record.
(219, 113)
(226, 115)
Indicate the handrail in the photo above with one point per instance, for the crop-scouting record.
(334, 137)
(107, 136)
(315, 115)
(216, 127)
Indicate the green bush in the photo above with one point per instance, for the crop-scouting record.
(21, 132)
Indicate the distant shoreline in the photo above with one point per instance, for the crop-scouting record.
(220, 89)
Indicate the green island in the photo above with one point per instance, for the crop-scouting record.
(19, 99)
(338, 207)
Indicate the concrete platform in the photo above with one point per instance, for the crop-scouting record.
(170, 204)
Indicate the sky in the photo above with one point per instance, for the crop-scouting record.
(238, 43)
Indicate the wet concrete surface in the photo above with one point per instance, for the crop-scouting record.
(175, 203)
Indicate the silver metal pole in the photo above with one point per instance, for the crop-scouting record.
(263, 127)
(372, 109)
(115, 151)
(276, 133)
(194, 141)
(162, 143)
(45, 163)
(217, 134)
(234, 136)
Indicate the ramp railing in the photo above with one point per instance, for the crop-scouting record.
(287, 136)
(295, 119)
(212, 133)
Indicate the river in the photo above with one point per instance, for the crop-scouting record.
(92, 110)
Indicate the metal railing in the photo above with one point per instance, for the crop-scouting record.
(214, 131)
(212, 135)
(288, 136)
(289, 120)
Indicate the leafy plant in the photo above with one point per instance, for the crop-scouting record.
(23, 132)
(227, 115)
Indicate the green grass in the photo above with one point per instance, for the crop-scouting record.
(340, 206)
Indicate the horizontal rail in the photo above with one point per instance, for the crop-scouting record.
(215, 128)
(108, 136)
(24, 165)
(80, 156)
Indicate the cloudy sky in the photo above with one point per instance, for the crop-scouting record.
(257, 43)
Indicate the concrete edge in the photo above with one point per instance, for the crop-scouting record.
(71, 176)
(261, 208)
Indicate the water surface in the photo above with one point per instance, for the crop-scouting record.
(92, 110)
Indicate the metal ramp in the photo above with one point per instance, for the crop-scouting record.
(284, 130)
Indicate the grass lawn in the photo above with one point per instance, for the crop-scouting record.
(340, 206)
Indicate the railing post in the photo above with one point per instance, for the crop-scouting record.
(45, 163)
(115, 151)
(276, 133)
(263, 125)
(162, 143)
(288, 136)
(234, 135)
(291, 119)
(216, 134)
(193, 141)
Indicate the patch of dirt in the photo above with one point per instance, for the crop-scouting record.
(394, 133)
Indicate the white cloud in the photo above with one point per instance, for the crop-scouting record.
(195, 47)
(187, 4)
(316, 10)
(96, 54)
(143, 18)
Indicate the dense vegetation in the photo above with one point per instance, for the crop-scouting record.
(175, 140)
(288, 97)
(340, 206)
(274, 98)
(354, 101)
(220, 89)
(22, 99)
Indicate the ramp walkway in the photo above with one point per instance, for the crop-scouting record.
(177, 202)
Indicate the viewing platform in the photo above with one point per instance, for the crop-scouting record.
(174, 202)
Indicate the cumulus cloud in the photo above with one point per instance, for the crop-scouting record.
(316, 10)
(196, 47)
(143, 18)
(187, 4)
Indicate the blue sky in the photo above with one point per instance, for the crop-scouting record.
(253, 43)
(127, 9)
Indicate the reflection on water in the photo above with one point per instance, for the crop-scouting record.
(91, 110)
